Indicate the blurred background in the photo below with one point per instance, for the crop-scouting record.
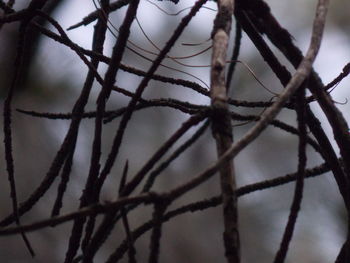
(51, 82)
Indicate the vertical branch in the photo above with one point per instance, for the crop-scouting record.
(131, 250)
(109, 80)
(97, 46)
(8, 130)
(34, 4)
(298, 193)
(159, 209)
(222, 129)
(235, 54)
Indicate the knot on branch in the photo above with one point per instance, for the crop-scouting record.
(220, 22)
(220, 117)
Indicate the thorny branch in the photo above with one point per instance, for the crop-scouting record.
(252, 17)
(147, 197)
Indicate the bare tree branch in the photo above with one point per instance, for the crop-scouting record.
(222, 129)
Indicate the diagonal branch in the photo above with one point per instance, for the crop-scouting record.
(284, 76)
(301, 74)
(271, 112)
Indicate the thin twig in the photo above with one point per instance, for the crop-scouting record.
(298, 192)
(7, 128)
(97, 46)
(148, 197)
(235, 54)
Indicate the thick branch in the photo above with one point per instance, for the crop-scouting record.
(222, 129)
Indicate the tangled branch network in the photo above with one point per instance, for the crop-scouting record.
(135, 185)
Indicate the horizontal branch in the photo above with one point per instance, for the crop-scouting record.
(148, 198)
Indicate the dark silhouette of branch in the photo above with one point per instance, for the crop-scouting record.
(235, 54)
(299, 187)
(147, 198)
(284, 76)
(97, 46)
(7, 113)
